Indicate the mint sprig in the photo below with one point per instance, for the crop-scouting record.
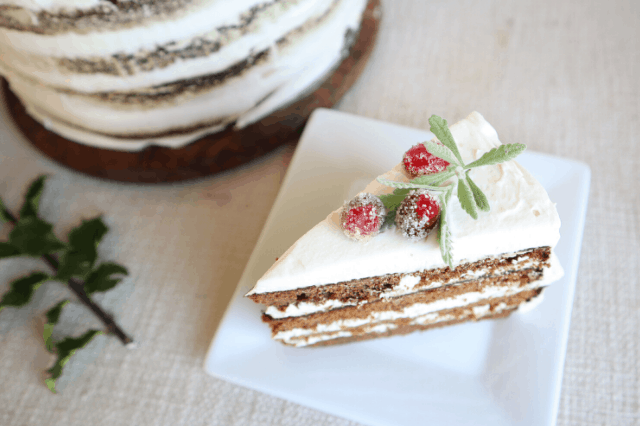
(33, 236)
(470, 196)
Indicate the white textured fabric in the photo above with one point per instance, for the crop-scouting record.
(560, 76)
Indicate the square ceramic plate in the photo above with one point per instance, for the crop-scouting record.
(501, 372)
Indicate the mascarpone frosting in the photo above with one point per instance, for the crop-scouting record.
(521, 217)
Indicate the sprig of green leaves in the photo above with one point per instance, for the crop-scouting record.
(471, 197)
(33, 236)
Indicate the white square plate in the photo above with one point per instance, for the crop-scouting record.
(500, 372)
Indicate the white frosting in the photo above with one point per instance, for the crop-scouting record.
(521, 217)
(247, 98)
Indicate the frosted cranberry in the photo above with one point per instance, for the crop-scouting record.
(418, 214)
(419, 162)
(362, 217)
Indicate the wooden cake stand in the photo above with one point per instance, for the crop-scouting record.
(210, 154)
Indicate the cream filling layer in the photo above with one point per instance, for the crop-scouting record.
(264, 33)
(477, 313)
(406, 286)
(246, 98)
(521, 217)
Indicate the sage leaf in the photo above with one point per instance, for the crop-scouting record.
(101, 279)
(408, 185)
(481, 200)
(22, 289)
(467, 201)
(440, 128)
(81, 253)
(34, 237)
(53, 316)
(32, 198)
(442, 152)
(444, 233)
(435, 179)
(499, 155)
(64, 350)
(7, 250)
(392, 201)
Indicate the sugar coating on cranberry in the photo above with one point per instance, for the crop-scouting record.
(418, 214)
(362, 217)
(419, 162)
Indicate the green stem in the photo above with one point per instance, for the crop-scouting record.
(78, 289)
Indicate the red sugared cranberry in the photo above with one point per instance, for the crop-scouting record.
(419, 162)
(418, 214)
(362, 217)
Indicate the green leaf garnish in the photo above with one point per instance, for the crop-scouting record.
(53, 315)
(34, 237)
(435, 179)
(440, 128)
(465, 196)
(101, 278)
(444, 233)
(32, 198)
(498, 155)
(7, 250)
(442, 152)
(22, 289)
(392, 201)
(65, 349)
(478, 195)
(82, 252)
(469, 194)
(408, 185)
(5, 215)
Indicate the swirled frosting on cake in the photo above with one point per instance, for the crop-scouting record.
(123, 75)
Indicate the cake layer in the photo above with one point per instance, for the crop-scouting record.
(498, 307)
(175, 113)
(521, 217)
(412, 305)
(320, 298)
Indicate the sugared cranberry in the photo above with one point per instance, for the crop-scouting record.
(419, 162)
(418, 214)
(363, 216)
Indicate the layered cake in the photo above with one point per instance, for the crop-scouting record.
(457, 231)
(125, 74)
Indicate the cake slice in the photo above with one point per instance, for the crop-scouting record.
(328, 288)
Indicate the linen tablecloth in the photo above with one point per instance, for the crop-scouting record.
(561, 76)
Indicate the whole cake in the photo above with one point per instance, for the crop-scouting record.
(375, 268)
(124, 74)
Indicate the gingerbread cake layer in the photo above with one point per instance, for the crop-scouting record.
(421, 302)
(497, 307)
(308, 300)
(167, 81)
